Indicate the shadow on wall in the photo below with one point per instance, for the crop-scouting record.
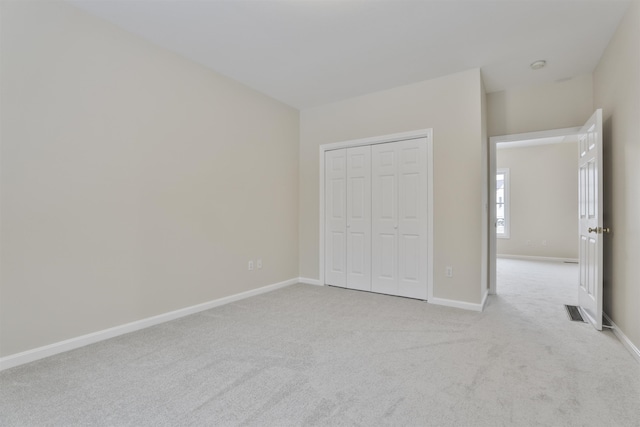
(608, 260)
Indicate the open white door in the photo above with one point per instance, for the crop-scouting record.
(590, 219)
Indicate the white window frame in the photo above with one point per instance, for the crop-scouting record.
(507, 203)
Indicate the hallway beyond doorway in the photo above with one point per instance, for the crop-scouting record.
(552, 283)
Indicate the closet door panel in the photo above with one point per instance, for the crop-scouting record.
(376, 218)
(412, 218)
(335, 217)
(384, 217)
(359, 218)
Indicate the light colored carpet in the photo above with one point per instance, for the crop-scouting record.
(307, 355)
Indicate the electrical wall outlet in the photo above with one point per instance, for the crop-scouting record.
(448, 271)
(259, 263)
(544, 243)
(250, 266)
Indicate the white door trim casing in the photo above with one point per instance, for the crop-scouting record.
(423, 133)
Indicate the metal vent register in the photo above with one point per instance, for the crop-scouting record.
(574, 313)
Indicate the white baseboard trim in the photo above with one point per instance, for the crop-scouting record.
(484, 299)
(536, 258)
(635, 352)
(83, 340)
(308, 281)
(458, 304)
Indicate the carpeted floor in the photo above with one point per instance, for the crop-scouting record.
(307, 355)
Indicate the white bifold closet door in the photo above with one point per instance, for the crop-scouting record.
(359, 218)
(335, 213)
(348, 218)
(376, 218)
(399, 218)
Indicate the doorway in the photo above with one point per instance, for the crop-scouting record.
(528, 214)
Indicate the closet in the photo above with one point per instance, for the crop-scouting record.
(375, 210)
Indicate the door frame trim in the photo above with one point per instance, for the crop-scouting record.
(382, 139)
(493, 140)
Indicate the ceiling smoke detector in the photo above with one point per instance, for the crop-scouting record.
(538, 64)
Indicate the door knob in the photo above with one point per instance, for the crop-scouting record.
(600, 230)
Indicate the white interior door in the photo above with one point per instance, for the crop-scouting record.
(590, 219)
(399, 218)
(384, 218)
(412, 218)
(359, 218)
(335, 217)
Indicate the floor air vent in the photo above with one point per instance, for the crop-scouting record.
(574, 313)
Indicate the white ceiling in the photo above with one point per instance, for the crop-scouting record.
(311, 52)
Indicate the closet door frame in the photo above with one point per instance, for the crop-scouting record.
(423, 133)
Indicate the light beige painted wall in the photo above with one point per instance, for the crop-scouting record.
(134, 182)
(542, 107)
(452, 107)
(617, 92)
(544, 200)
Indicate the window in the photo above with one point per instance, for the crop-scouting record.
(502, 203)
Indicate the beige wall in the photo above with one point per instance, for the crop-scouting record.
(542, 107)
(617, 92)
(134, 182)
(544, 200)
(452, 107)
